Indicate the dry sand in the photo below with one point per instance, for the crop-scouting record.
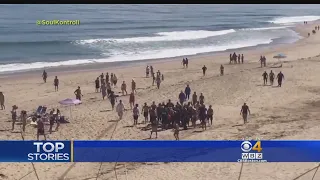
(290, 112)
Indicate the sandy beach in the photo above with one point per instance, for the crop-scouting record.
(289, 112)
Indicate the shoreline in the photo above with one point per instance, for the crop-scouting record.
(262, 48)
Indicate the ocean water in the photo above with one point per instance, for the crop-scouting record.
(109, 33)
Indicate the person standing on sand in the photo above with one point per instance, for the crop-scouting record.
(151, 70)
(56, 83)
(113, 99)
(230, 59)
(194, 98)
(115, 80)
(145, 111)
(201, 99)
(107, 77)
(203, 116)
(133, 86)
(147, 71)
(280, 77)
(154, 127)
(239, 58)
(40, 129)
(131, 99)
(182, 98)
(244, 112)
(242, 58)
(204, 69)
(103, 90)
(153, 78)
(158, 82)
(97, 83)
(264, 61)
(183, 62)
(111, 79)
(187, 62)
(78, 93)
(2, 101)
(136, 113)
(210, 115)
(120, 109)
(44, 76)
(261, 61)
(187, 91)
(176, 131)
(271, 77)
(14, 116)
(221, 70)
(23, 117)
(159, 112)
(265, 78)
(124, 88)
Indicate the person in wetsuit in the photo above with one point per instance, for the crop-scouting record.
(44, 76)
(280, 77)
(265, 78)
(244, 112)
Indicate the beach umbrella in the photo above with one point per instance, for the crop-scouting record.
(69, 102)
(280, 56)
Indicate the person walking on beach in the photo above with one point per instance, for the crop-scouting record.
(158, 81)
(271, 77)
(147, 71)
(194, 98)
(14, 116)
(204, 69)
(44, 76)
(187, 91)
(210, 114)
(97, 83)
(221, 70)
(136, 113)
(124, 88)
(145, 111)
(103, 90)
(230, 59)
(131, 99)
(115, 80)
(133, 86)
(242, 58)
(23, 117)
(40, 129)
(265, 78)
(176, 131)
(280, 77)
(187, 62)
(154, 127)
(239, 58)
(120, 109)
(113, 99)
(203, 116)
(261, 61)
(111, 79)
(264, 61)
(151, 70)
(183, 63)
(182, 98)
(201, 99)
(244, 112)
(153, 78)
(107, 77)
(56, 83)
(78, 93)
(2, 101)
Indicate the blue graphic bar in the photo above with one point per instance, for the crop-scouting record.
(160, 151)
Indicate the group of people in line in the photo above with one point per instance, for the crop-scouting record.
(271, 76)
(234, 57)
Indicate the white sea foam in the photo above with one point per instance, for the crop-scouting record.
(293, 19)
(163, 36)
(132, 56)
(265, 28)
